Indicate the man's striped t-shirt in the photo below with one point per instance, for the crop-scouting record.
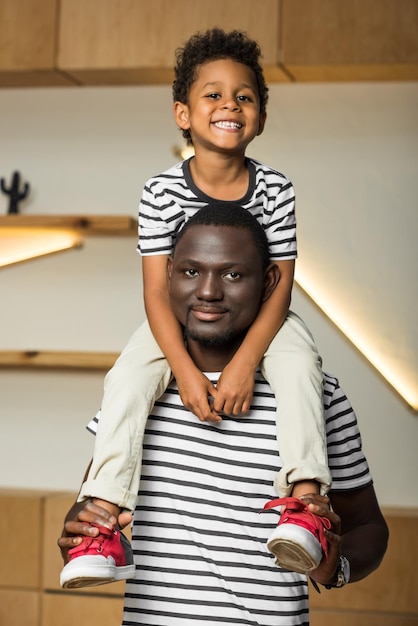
(170, 199)
(198, 536)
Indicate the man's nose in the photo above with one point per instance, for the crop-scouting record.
(210, 287)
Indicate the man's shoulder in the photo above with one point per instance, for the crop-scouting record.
(331, 389)
(336, 403)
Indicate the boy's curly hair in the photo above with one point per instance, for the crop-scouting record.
(212, 45)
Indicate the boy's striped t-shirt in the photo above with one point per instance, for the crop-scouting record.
(198, 536)
(171, 198)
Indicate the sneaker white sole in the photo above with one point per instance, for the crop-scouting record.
(91, 571)
(295, 548)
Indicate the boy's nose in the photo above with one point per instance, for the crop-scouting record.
(231, 104)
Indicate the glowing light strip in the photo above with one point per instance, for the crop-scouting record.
(22, 244)
(406, 389)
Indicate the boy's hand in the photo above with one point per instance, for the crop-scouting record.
(235, 390)
(195, 389)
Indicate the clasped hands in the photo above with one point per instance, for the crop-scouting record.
(231, 396)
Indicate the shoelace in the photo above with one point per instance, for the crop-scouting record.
(96, 542)
(294, 505)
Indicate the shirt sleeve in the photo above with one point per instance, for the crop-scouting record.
(277, 195)
(346, 460)
(93, 423)
(155, 234)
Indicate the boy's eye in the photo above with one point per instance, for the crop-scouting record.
(213, 95)
(244, 99)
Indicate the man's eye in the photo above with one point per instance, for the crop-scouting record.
(190, 273)
(233, 275)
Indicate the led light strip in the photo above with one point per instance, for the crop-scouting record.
(22, 244)
(407, 389)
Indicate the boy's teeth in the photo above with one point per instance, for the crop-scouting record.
(228, 125)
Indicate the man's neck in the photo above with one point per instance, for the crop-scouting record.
(211, 359)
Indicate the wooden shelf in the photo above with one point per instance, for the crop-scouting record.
(105, 225)
(108, 225)
(44, 359)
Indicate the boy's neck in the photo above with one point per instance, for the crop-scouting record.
(220, 177)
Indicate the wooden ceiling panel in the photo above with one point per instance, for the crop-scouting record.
(355, 40)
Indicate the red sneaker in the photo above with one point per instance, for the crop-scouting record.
(99, 560)
(299, 541)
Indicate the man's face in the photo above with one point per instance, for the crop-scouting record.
(216, 283)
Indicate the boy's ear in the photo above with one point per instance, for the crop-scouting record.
(261, 122)
(169, 268)
(181, 115)
(271, 278)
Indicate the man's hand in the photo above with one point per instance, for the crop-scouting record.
(235, 389)
(320, 505)
(78, 524)
(195, 389)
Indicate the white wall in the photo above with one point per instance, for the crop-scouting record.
(351, 151)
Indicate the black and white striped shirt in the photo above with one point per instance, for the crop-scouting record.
(170, 199)
(198, 537)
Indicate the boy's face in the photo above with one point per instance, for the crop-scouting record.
(223, 109)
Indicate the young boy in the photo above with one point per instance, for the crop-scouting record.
(220, 99)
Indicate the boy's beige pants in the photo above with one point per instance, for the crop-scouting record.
(140, 376)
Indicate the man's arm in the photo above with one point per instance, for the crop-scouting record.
(364, 532)
(361, 535)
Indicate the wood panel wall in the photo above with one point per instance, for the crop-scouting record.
(29, 574)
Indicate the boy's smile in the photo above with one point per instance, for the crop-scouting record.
(223, 108)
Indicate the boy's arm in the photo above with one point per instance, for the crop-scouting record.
(235, 386)
(194, 387)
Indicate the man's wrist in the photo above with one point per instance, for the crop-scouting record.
(342, 574)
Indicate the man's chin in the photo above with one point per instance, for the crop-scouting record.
(209, 340)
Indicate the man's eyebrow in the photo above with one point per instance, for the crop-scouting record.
(223, 266)
(186, 261)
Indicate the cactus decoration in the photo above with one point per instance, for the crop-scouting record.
(13, 191)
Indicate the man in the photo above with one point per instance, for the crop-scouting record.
(198, 537)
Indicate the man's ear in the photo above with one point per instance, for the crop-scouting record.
(261, 122)
(271, 278)
(181, 115)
